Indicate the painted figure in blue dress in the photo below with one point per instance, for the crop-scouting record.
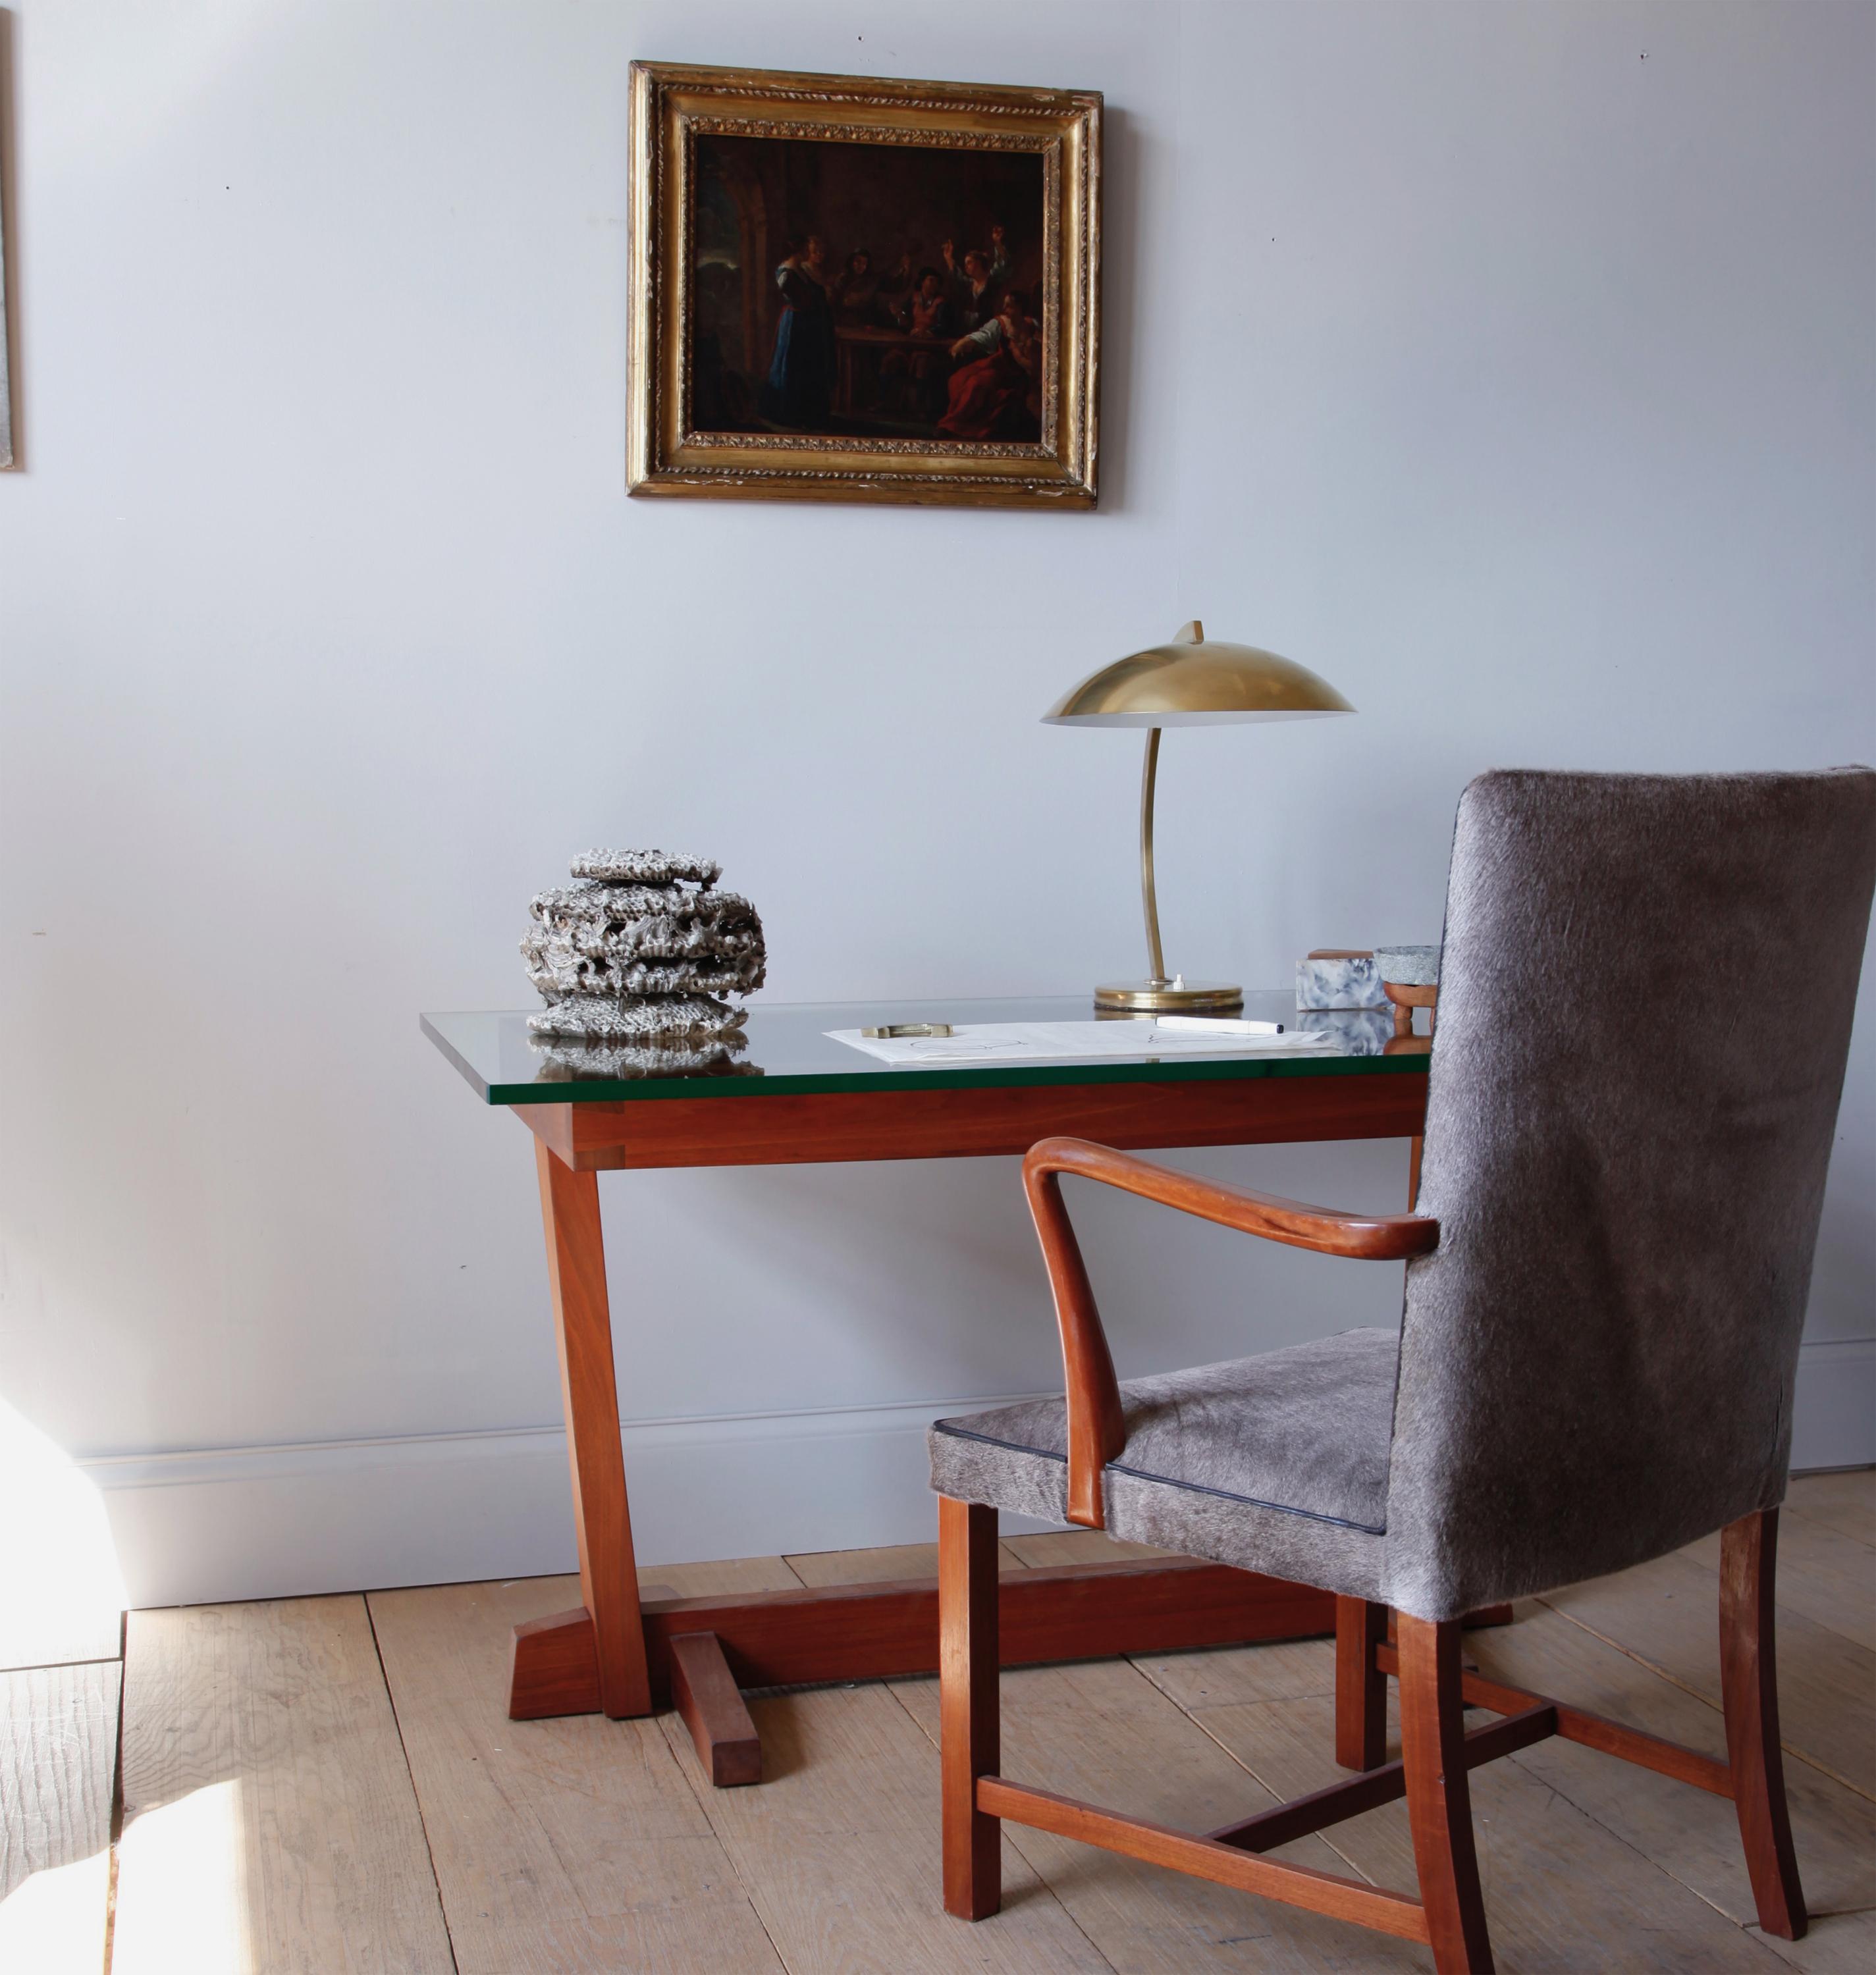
(800, 389)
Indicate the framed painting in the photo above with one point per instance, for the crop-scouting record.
(847, 289)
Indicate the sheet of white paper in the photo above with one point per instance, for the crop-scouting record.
(1068, 1042)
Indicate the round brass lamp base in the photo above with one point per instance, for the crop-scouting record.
(1177, 997)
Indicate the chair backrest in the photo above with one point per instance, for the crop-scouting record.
(1645, 1001)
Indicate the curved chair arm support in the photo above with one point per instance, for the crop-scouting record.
(1096, 1426)
(1366, 1237)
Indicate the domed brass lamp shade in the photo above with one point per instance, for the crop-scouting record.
(1186, 683)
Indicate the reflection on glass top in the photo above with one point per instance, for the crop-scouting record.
(788, 1053)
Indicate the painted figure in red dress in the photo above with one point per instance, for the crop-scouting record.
(998, 395)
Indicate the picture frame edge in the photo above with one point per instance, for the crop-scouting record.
(652, 468)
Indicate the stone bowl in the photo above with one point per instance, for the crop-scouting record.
(1408, 966)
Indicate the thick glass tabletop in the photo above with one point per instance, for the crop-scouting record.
(789, 1053)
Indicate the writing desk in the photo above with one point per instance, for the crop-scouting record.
(802, 1099)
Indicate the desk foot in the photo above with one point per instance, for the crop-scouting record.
(705, 1693)
(555, 1668)
(876, 1632)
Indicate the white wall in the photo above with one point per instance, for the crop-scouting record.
(1510, 364)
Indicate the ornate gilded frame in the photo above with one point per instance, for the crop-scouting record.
(672, 105)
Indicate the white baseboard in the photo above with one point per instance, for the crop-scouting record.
(1834, 1408)
(271, 1522)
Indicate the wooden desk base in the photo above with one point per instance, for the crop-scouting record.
(872, 1631)
(701, 1651)
(616, 1655)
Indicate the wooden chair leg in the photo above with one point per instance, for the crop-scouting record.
(1433, 1739)
(967, 1700)
(1361, 1686)
(1748, 1684)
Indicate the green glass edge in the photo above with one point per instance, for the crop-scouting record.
(649, 1090)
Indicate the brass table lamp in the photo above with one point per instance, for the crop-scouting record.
(1185, 683)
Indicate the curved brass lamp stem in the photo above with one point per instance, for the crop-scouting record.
(1155, 959)
(1185, 681)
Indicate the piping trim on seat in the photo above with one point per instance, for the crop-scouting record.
(1167, 1481)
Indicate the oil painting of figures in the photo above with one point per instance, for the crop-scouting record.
(851, 289)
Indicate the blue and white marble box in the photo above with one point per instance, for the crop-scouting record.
(1339, 980)
(1359, 1031)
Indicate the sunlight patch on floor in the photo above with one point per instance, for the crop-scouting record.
(182, 1888)
(42, 1918)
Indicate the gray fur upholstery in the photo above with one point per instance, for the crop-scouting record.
(1298, 1437)
(1629, 1120)
(1628, 1123)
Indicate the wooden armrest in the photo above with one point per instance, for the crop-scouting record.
(1096, 1426)
(1366, 1237)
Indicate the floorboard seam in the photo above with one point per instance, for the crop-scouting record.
(1277, 1799)
(1041, 1877)
(117, 1796)
(1797, 1754)
(722, 1845)
(416, 1796)
(1823, 1523)
(1666, 1871)
(56, 1666)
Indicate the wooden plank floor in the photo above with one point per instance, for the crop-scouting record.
(58, 1762)
(330, 1784)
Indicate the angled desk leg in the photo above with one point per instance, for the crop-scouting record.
(594, 1657)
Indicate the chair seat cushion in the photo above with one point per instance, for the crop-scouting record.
(1276, 1462)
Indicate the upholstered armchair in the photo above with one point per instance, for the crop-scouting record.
(1646, 995)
